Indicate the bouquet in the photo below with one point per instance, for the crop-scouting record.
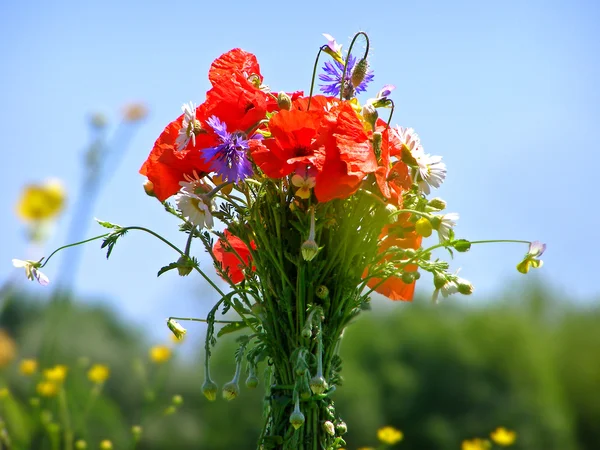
(307, 205)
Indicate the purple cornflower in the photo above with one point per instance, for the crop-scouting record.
(229, 158)
(333, 76)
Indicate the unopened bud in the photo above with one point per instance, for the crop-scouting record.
(408, 277)
(376, 142)
(341, 428)
(309, 250)
(149, 188)
(318, 385)
(370, 115)
(462, 245)
(329, 428)
(297, 419)
(423, 227)
(184, 266)
(391, 210)
(210, 389)
(437, 203)
(252, 381)
(360, 72)
(284, 101)
(322, 292)
(439, 279)
(257, 309)
(464, 287)
(230, 390)
(176, 328)
(306, 333)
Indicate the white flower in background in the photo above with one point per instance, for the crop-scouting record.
(188, 125)
(449, 288)
(447, 222)
(409, 139)
(195, 208)
(31, 270)
(432, 171)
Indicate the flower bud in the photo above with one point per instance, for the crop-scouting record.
(376, 142)
(437, 203)
(464, 287)
(177, 330)
(439, 279)
(252, 381)
(391, 210)
(423, 227)
(341, 428)
(370, 115)
(284, 101)
(408, 277)
(409, 253)
(359, 72)
(184, 266)
(329, 428)
(297, 419)
(322, 292)
(230, 390)
(318, 385)
(462, 245)
(210, 389)
(149, 188)
(309, 250)
(306, 333)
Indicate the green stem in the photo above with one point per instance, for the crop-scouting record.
(72, 245)
(314, 74)
(65, 419)
(343, 79)
(193, 319)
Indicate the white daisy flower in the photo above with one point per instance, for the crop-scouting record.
(193, 184)
(410, 139)
(188, 125)
(195, 208)
(432, 171)
(31, 270)
(449, 288)
(447, 222)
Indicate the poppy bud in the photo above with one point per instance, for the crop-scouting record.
(370, 115)
(230, 390)
(297, 419)
(210, 389)
(149, 188)
(359, 72)
(184, 266)
(284, 101)
(318, 385)
(329, 428)
(309, 250)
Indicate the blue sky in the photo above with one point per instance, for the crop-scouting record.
(506, 91)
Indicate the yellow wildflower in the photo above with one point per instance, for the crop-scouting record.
(160, 354)
(106, 445)
(56, 374)
(47, 388)
(476, 444)
(504, 437)
(98, 373)
(389, 435)
(4, 392)
(28, 366)
(41, 201)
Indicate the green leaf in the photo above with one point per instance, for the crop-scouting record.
(106, 224)
(164, 269)
(231, 328)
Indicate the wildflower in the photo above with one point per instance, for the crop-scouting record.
(190, 127)
(446, 284)
(432, 171)
(531, 259)
(329, 427)
(56, 374)
(28, 367)
(98, 373)
(106, 445)
(7, 348)
(31, 270)
(423, 227)
(160, 354)
(81, 445)
(40, 202)
(503, 437)
(134, 112)
(443, 224)
(333, 77)
(304, 185)
(410, 141)
(229, 158)
(236, 61)
(333, 49)
(389, 435)
(297, 418)
(195, 208)
(136, 431)
(176, 328)
(233, 256)
(210, 389)
(318, 385)
(475, 444)
(231, 390)
(47, 388)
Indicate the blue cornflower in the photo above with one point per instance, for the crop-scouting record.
(333, 76)
(229, 158)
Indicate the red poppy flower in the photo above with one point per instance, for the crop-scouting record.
(234, 257)
(166, 166)
(392, 178)
(234, 61)
(397, 235)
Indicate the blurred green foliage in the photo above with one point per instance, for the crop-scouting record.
(441, 374)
